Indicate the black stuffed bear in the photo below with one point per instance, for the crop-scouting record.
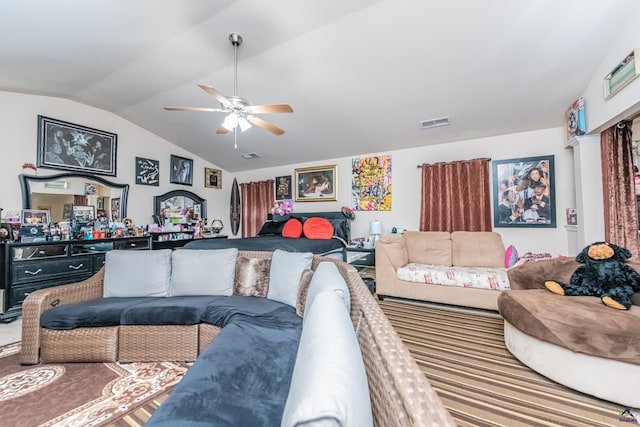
(604, 274)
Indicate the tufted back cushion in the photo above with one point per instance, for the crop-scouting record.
(429, 247)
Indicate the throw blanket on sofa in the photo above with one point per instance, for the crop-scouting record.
(243, 378)
(468, 277)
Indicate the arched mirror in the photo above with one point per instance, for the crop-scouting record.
(179, 206)
(61, 192)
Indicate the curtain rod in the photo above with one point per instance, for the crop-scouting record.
(456, 161)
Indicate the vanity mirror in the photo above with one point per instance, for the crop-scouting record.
(179, 205)
(53, 192)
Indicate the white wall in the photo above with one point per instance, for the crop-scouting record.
(405, 213)
(18, 121)
(602, 113)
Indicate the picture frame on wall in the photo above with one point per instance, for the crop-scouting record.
(213, 178)
(316, 184)
(147, 171)
(524, 192)
(181, 170)
(72, 147)
(283, 187)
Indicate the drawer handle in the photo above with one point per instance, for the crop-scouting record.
(41, 252)
(133, 245)
(76, 267)
(33, 273)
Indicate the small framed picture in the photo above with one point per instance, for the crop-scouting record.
(181, 170)
(212, 178)
(283, 187)
(147, 172)
(316, 184)
(34, 217)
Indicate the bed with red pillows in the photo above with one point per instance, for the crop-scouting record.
(322, 233)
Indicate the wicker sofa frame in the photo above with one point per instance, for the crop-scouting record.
(400, 393)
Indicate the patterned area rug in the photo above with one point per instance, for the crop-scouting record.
(79, 394)
(463, 355)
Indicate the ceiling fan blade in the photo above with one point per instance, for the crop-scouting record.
(265, 125)
(192, 109)
(271, 108)
(222, 130)
(217, 95)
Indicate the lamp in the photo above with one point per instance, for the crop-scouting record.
(375, 229)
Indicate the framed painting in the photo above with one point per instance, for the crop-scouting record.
(524, 192)
(212, 178)
(283, 187)
(147, 172)
(34, 217)
(181, 170)
(316, 184)
(67, 146)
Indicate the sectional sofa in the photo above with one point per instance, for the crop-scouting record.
(289, 339)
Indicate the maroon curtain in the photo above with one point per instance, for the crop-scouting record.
(455, 196)
(257, 201)
(620, 205)
(79, 200)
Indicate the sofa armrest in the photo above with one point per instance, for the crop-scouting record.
(44, 299)
(391, 254)
(532, 275)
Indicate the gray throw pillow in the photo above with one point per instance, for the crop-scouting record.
(203, 271)
(327, 277)
(329, 382)
(285, 274)
(137, 273)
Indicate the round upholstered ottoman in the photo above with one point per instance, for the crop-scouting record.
(576, 341)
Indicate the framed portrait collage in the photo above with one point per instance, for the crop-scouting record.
(524, 192)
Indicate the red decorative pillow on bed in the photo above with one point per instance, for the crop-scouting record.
(293, 229)
(317, 228)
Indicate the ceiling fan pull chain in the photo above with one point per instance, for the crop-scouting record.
(235, 138)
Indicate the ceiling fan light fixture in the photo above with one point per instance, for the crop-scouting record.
(230, 122)
(243, 123)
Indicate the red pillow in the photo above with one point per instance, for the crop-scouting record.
(317, 228)
(293, 229)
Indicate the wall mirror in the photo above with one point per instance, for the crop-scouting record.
(60, 192)
(179, 206)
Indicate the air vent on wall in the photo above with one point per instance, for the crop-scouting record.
(250, 156)
(434, 123)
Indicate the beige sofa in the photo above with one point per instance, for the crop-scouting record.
(462, 257)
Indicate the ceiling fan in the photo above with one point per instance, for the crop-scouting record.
(240, 113)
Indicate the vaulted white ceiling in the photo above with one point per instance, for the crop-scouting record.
(359, 74)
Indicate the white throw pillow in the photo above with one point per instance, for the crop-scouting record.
(329, 383)
(285, 273)
(203, 271)
(137, 273)
(327, 277)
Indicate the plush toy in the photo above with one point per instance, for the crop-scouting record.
(283, 208)
(604, 274)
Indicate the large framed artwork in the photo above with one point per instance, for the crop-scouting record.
(181, 170)
(371, 183)
(67, 146)
(317, 184)
(524, 192)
